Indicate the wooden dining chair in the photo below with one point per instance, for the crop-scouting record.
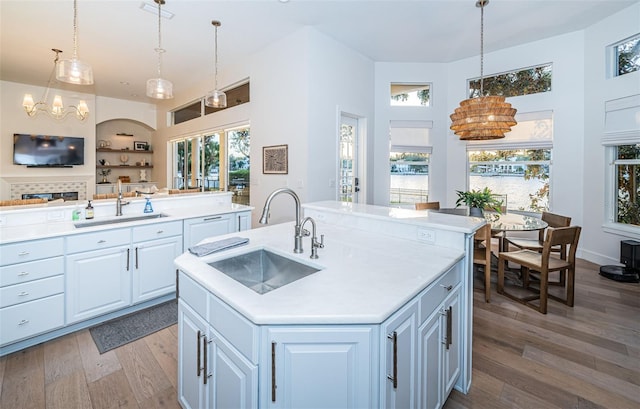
(553, 220)
(542, 263)
(428, 206)
(482, 256)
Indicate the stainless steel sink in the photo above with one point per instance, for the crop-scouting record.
(119, 220)
(262, 270)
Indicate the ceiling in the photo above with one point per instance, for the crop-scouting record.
(118, 38)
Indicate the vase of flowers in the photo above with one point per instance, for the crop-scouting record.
(478, 200)
(104, 173)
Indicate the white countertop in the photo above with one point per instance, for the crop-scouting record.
(41, 228)
(364, 277)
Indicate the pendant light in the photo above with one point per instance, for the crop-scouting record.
(157, 87)
(483, 117)
(216, 98)
(74, 71)
(56, 110)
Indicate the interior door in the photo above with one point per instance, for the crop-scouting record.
(348, 178)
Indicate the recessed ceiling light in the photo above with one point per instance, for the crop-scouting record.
(153, 9)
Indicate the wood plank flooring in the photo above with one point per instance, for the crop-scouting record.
(585, 357)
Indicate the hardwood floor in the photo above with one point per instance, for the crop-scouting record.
(583, 357)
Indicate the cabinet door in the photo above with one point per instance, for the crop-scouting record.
(318, 368)
(430, 362)
(105, 188)
(451, 333)
(400, 358)
(192, 330)
(198, 229)
(154, 273)
(244, 221)
(97, 282)
(233, 380)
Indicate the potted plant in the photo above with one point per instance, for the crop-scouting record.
(104, 173)
(478, 200)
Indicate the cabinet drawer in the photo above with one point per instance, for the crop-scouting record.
(438, 291)
(31, 250)
(193, 294)
(19, 293)
(157, 231)
(98, 240)
(238, 331)
(31, 318)
(34, 270)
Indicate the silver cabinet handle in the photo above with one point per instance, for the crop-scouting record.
(273, 372)
(23, 253)
(160, 232)
(394, 377)
(128, 254)
(136, 258)
(198, 368)
(101, 241)
(23, 294)
(23, 273)
(23, 322)
(449, 326)
(446, 287)
(206, 219)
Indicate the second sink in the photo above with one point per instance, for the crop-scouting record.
(119, 220)
(262, 270)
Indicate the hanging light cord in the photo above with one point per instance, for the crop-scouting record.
(215, 77)
(482, 3)
(159, 50)
(75, 31)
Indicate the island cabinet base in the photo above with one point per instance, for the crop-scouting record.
(412, 359)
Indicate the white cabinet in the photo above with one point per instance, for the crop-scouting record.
(31, 288)
(199, 228)
(154, 249)
(295, 361)
(106, 272)
(98, 273)
(401, 358)
(105, 188)
(211, 372)
(423, 346)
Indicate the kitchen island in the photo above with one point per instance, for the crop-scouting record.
(384, 322)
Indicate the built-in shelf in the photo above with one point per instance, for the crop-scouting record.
(123, 167)
(121, 150)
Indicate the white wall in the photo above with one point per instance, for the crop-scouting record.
(596, 244)
(13, 119)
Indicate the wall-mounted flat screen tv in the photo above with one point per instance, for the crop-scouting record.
(47, 150)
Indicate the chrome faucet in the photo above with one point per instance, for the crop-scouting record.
(299, 231)
(119, 202)
(315, 244)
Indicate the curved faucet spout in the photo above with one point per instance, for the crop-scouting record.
(298, 228)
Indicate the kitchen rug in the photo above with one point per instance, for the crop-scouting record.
(122, 330)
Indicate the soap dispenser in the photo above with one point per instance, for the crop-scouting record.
(147, 206)
(88, 211)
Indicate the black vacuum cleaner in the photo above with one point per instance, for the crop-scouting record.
(630, 257)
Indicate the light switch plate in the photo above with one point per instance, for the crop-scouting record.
(427, 235)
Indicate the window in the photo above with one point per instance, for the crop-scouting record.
(519, 177)
(410, 95)
(197, 161)
(627, 56)
(235, 96)
(409, 156)
(627, 184)
(518, 167)
(510, 84)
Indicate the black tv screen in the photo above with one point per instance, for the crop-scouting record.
(47, 150)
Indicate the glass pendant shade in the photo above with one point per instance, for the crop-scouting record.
(216, 99)
(159, 88)
(74, 71)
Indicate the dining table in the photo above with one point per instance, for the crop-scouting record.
(503, 223)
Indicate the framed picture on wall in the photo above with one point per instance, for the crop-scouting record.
(139, 146)
(275, 159)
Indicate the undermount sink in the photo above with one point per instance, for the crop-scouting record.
(119, 220)
(262, 270)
